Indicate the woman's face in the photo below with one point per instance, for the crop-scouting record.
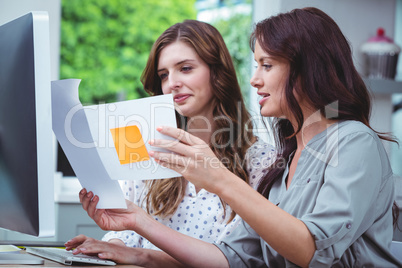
(187, 77)
(270, 79)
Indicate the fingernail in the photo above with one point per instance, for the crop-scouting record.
(159, 128)
(151, 153)
(151, 142)
(82, 191)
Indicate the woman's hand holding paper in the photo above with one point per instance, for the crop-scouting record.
(191, 157)
(112, 219)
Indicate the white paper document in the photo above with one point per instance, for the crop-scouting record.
(109, 142)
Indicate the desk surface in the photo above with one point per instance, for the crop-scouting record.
(55, 264)
(49, 263)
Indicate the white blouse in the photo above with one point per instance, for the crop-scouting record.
(200, 215)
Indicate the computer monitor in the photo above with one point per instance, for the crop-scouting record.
(26, 140)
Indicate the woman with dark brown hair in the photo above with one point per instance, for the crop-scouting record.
(327, 200)
(190, 61)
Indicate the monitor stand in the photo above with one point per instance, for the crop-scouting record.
(19, 258)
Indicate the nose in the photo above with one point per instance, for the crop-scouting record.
(255, 81)
(171, 83)
(174, 82)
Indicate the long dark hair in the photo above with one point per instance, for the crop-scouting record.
(320, 60)
(229, 112)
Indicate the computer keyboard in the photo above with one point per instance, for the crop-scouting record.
(66, 257)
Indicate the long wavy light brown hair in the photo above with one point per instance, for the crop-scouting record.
(320, 68)
(165, 195)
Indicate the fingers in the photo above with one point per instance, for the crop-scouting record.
(180, 135)
(82, 193)
(75, 242)
(102, 249)
(94, 213)
(172, 145)
(85, 198)
(106, 250)
(172, 161)
(90, 247)
(88, 201)
(81, 244)
(190, 148)
(91, 205)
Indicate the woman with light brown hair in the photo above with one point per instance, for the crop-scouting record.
(190, 61)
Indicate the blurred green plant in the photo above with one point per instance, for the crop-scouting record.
(106, 43)
(236, 32)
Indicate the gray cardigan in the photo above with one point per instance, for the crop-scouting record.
(343, 191)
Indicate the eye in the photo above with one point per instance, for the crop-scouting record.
(163, 76)
(266, 66)
(186, 68)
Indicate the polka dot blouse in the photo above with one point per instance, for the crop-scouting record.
(200, 215)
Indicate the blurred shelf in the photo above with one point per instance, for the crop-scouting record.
(384, 86)
(66, 189)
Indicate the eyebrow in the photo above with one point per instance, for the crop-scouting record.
(178, 63)
(264, 58)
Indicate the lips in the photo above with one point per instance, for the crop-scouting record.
(180, 97)
(264, 96)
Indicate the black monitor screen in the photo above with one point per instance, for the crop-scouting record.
(26, 149)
